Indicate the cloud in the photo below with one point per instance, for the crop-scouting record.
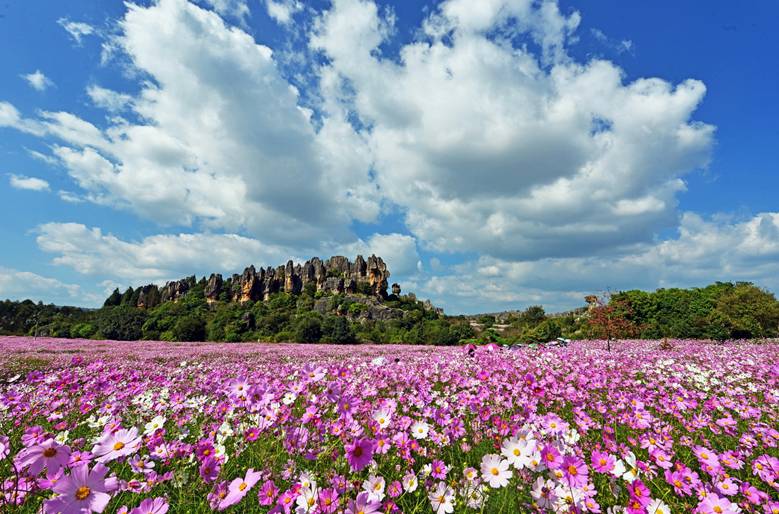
(399, 251)
(28, 183)
(10, 117)
(223, 140)
(107, 99)
(619, 46)
(282, 10)
(491, 148)
(156, 258)
(235, 8)
(77, 30)
(704, 251)
(37, 80)
(16, 284)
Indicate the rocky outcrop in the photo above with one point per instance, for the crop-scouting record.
(172, 291)
(149, 297)
(213, 288)
(337, 274)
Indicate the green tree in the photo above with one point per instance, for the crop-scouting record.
(123, 323)
(190, 328)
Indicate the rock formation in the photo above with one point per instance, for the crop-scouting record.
(334, 275)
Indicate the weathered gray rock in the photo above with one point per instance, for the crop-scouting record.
(213, 287)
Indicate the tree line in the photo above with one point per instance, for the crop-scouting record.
(720, 311)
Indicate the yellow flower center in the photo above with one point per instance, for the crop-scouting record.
(572, 470)
(495, 471)
(82, 492)
(516, 452)
(243, 486)
(717, 509)
(118, 445)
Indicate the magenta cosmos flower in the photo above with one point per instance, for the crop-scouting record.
(48, 454)
(83, 491)
(602, 462)
(268, 493)
(359, 453)
(363, 505)
(5, 447)
(117, 444)
(328, 500)
(238, 488)
(574, 471)
(151, 506)
(714, 504)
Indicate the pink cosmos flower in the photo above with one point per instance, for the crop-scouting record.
(677, 480)
(238, 488)
(359, 453)
(34, 435)
(77, 458)
(551, 457)
(602, 462)
(151, 506)
(267, 493)
(51, 479)
(83, 491)
(15, 490)
(438, 469)
(5, 447)
(117, 444)
(661, 458)
(727, 487)
(328, 500)
(753, 495)
(639, 492)
(766, 467)
(713, 504)
(48, 454)
(574, 471)
(363, 505)
(395, 489)
(209, 469)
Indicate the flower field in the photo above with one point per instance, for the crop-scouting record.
(150, 427)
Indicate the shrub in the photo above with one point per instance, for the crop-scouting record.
(190, 328)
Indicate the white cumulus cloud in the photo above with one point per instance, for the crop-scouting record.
(490, 148)
(76, 29)
(37, 80)
(15, 284)
(28, 183)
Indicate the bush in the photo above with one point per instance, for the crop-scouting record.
(190, 328)
(123, 323)
(337, 329)
(83, 330)
(308, 330)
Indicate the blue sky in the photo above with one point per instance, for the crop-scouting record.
(498, 154)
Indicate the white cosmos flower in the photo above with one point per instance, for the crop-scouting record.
(374, 486)
(419, 430)
(658, 507)
(543, 493)
(382, 418)
(495, 471)
(410, 483)
(442, 499)
(517, 452)
(156, 423)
